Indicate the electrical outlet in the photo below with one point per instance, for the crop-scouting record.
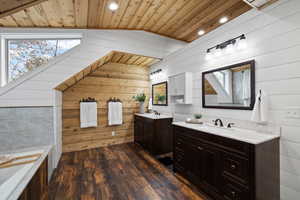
(113, 133)
(293, 113)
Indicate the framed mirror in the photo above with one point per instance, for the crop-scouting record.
(230, 87)
(160, 94)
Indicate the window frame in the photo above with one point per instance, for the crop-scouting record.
(5, 37)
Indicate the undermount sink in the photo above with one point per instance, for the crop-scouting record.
(154, 116)
(214, 126)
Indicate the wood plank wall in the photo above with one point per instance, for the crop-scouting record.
(110, 80)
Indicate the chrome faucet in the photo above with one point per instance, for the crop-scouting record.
(230, 125)
(216, 122)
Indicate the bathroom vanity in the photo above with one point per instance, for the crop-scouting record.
(228, 164)
(154, 133)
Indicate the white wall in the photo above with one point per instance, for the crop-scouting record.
(35, 88)
(273, 37)
(57, 119)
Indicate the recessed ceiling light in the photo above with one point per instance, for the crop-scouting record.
(201, 32)
(223, 20)
(113, 6)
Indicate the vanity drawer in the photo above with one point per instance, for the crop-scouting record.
(227, 144)
(236, 167)
(234, 191)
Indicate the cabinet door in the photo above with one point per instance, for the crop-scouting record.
(207, 168)
(138, 131)
(181, 157)
(180, 84)
(148, 134)
(163, 138)
(172, 86)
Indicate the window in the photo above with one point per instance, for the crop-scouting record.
(24, 55)
(221, 78)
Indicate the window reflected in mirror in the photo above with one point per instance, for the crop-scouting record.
(229, 87)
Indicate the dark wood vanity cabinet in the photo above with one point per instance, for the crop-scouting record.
(154, 135)
(37, 188)
(227, 169)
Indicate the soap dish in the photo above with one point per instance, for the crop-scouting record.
(194, 121)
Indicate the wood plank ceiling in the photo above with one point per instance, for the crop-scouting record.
(112, 57)
(179, 19)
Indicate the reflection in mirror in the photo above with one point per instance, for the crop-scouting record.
(229, 87)
(160, 94)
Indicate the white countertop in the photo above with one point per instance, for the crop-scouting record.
(13, 180)
(244, 135)
(153, 116)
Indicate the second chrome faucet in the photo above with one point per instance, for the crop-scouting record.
(218, 122)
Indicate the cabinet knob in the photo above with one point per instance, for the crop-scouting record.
(233, 166)
(200, 148)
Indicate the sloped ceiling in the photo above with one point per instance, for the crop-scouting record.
(178, 19)
(112, 57)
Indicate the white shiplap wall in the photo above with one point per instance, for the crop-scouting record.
(35, 89)
(273, 37)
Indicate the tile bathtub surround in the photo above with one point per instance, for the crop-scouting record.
(25, 127)
(273, 41)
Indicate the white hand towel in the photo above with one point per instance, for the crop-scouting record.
(264, 107)
(88, 114)
(261, 108)
(256, 110)
(115, 113)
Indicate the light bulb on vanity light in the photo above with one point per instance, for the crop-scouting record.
(242, 43)
(209, 55)
(218, 51)
(230, 47)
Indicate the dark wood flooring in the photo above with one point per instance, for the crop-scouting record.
(117, 172)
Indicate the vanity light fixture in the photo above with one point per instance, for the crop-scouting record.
(230, 44)
(223, 20)
(113, 6)
(154, 76)
(155, 72)
(201, 32)
(230, 47)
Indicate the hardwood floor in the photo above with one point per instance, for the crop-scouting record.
(117, 172)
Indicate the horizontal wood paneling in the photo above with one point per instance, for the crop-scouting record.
(118, 75)
(123, 82)
(179, 19)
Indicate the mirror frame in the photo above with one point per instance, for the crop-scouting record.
(166, 83)
(252, 83)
